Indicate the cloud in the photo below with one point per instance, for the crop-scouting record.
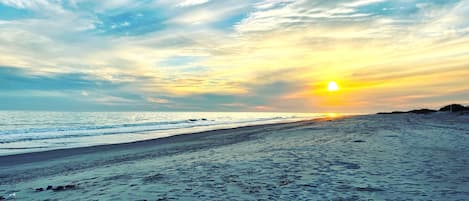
(114, 100)
(263, 108)
(16, 79)
(445, 21)
(63, 91)
(157, 100)
(231, 55)
(185, 3)
(209, 14)
(105, 6)
(273, 15)
(43, 6)
(362, 3)
(236, 105)
(197, 17)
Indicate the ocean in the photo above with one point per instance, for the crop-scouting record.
(32, 131)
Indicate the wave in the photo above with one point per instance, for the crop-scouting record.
(94, 127)
(30, 134)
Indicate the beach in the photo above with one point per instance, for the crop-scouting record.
(377, 157)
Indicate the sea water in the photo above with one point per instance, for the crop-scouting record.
(23, 131)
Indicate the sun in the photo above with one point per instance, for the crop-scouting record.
(332, 86)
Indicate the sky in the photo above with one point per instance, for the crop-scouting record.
(232, 55)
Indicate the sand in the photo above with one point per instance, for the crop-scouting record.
(378, 157)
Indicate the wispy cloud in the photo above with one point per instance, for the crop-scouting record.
(192, 2)
(36, 5)
(157, 100)
(273, 15)
(362, 3)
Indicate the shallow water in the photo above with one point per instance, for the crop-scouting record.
(30, 131)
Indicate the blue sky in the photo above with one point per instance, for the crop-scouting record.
(211, 55)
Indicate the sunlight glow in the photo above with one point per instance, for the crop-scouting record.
(332, 114)
(332, 86)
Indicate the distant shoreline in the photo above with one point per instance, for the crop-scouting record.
(456, 108)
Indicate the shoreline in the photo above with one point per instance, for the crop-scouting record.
(30, 157)
(28, 142)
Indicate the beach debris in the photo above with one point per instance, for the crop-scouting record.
(359, 141)
(66, 187)
(59, 188)
(203, 119)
